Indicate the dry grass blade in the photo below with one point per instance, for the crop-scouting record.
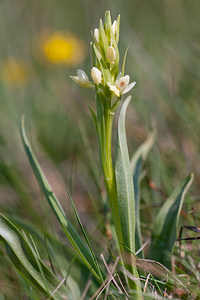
(86, 288)
(107, 281)
(158, 270)
(145, 286)
(111, 272)
(60, 284)
(122, 286)
(101, 288)
(143, 246)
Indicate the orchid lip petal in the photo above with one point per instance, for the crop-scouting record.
(128, 88)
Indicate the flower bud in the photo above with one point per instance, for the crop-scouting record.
(114, 27)
(96, 35)
(111, 54)
(96, 75)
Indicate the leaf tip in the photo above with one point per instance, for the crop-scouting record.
(191, 177)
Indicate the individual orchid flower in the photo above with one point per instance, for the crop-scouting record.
(82, 79)
(121, 86)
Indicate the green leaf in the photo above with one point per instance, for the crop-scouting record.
(124, 62)
(73, 236)
(164, 232)
(103, 41)
(28, 263)
(107, 24)
(125, 197)
(136, 168)
(124, 183)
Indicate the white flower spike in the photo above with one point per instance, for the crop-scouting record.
(111, 54)
(81, 79)
(121, 86)
(96, 75)
(105, 53)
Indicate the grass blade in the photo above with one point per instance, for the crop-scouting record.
(73, 236)
(84, 234)
(24, 259)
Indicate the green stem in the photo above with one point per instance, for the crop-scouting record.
(105, 139)
(109, 178)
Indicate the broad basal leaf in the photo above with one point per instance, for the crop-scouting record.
(124, 183)
(164, 232)
(125, 192)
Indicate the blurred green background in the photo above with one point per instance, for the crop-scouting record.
(41, 44)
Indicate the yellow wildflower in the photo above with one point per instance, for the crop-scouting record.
(14, 72)
(63, 48)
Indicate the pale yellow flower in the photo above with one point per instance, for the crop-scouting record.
(62, 48)
(14, 72)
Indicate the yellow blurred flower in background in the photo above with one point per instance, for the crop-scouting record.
(62, 48)
(14, 72)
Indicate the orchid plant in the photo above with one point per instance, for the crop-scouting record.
(110, 85)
